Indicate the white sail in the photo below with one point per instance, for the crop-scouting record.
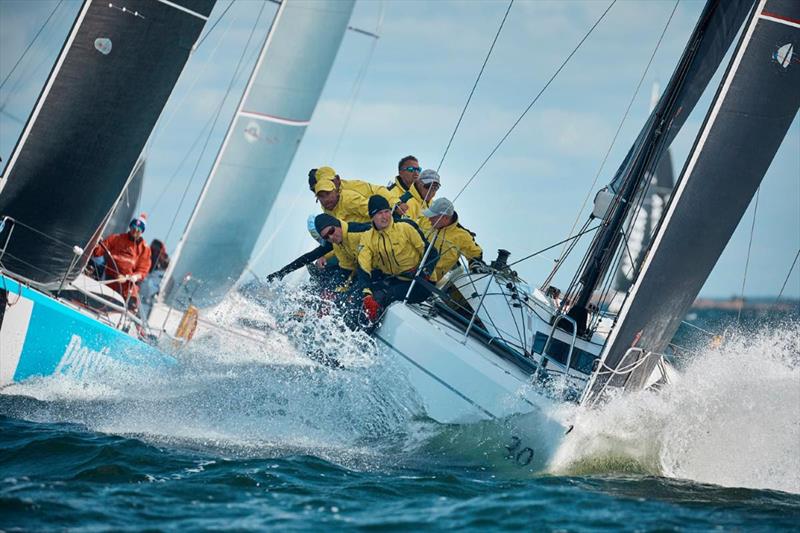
(258, 149)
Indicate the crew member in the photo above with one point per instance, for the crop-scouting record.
(348, 206)
(408, 170)
(391, 253)
(127, 259)
(340, 239)
(149, 287)
(422, 192)
(440, 224)
(394, 197)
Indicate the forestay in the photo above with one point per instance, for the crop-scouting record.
(258, 149)
(90, 123)
(750, 115)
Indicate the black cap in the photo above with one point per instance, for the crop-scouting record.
(377, 203)
(324, 220)
(312, 178)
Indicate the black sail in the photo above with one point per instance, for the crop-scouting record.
(710, 40)
(125, 209)
(752, 111)
(110, 83)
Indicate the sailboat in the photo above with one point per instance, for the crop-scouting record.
(76, 155)
(514, 349)
(253, 161)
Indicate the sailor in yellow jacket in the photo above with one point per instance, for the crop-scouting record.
(348, 206)
(439, 224)
(395, 198)
(340, 240)
(391, 253)
(422, 192)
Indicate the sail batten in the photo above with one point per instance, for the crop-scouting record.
(247, 174)
(750, 115)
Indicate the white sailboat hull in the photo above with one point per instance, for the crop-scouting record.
(458, 379)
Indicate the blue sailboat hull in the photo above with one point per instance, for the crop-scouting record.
(41, 336)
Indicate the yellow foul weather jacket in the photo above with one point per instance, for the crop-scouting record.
(396, 251)
(415, 204)
(368, 189)
(451, 241)
(352, 207)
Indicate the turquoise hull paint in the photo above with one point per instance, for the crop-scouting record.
(60, 339)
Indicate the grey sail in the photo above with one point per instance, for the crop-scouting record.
(91, 122)
(750, 115)
(126, 206)
(258, 149)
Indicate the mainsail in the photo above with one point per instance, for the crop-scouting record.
(93, 117)
(718, 25)
(749, 117)
(258, 149)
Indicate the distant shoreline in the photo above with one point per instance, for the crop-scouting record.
(735, 303)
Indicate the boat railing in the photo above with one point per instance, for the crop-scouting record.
(626, 369)
(126, 317)
(12, 224)
(545, 351)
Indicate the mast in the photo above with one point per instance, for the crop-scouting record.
(707, 45)
(749, 117)
(258, 149)
(101, 101)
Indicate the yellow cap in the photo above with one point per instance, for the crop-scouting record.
(325, 173)
(324, 185)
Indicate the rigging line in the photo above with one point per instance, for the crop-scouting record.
(475, 85)
(180, 165)
(788, 275)
(165, 122)
(216, 116)
(203, 38)
(359, 78)
(747, 261)
(555, 245)
(27, 48)
(535, 99)
(624, 118)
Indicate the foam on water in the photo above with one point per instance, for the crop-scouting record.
(732, 419)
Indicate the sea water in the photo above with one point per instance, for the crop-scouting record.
(252, 439)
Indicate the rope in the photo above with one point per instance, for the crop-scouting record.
(27, 48)
(747, 261)
(624, 118)
(203, 38)
(216, 116)
(359, 78)
(469, 98)
(535, 99)
(788, 275)
(559, 243)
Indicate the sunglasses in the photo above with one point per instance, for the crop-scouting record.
(429, 185)
(412, 169)
(327, 232)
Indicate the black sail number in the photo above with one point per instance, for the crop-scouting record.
(517, 453)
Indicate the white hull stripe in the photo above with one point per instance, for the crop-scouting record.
(774, 17)
(185, 10)
(271, 118)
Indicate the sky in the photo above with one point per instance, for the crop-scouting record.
(418, 76)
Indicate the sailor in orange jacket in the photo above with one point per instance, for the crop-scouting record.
(127, 259)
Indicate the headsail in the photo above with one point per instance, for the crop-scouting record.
(258, 149)
(751, 113)
(659, 188)
(91, 122)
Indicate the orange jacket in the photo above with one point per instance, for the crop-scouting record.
(131, 257)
